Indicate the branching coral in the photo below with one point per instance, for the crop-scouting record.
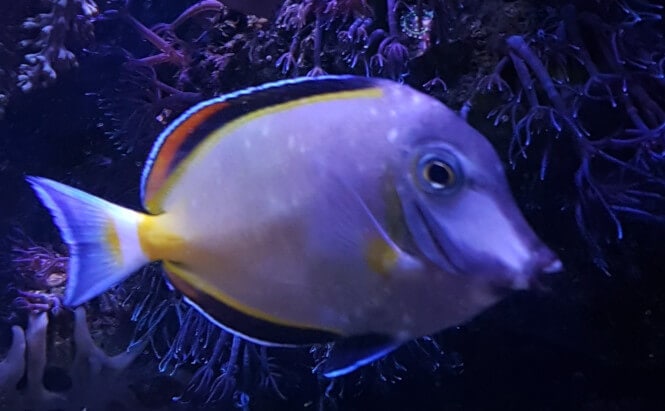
(48, 53)
(98, 381)
(35, 49)
(225, 367)
(553, 79)
(348, 35)
(138, 105)
(313, 23)
(205, 38)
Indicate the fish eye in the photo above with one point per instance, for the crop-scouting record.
(438, 172)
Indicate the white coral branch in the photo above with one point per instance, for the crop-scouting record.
(99, 381)
(50, 54)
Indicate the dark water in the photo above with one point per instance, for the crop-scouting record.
(592, 339)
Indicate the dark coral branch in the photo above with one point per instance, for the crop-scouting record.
(170, 54)
(519, 46)
(204, 6)
(558, 75)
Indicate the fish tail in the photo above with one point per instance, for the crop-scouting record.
(103, 239)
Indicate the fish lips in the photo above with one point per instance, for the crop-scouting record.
(431, 238)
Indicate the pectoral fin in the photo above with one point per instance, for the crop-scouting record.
(351, 353)
(357, 230)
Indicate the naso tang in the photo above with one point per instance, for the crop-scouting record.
(338, 208)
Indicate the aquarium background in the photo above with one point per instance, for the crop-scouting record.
(571, 93)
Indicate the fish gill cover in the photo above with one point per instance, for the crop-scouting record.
(571, 93)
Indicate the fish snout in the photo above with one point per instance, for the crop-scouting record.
(542, 263)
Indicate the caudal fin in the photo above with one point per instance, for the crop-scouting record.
(102, 237)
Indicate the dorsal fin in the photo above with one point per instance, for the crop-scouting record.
(177, 142)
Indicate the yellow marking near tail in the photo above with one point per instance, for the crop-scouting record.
(112, 239)
(380, 257)
(157, 242)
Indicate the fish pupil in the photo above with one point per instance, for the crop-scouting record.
(439, 174)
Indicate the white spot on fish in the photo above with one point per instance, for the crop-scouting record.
(291, 142)
(248, 143)
(392, 135)
(392, 113)
(274, 202)
(265, 131)
(373, 111)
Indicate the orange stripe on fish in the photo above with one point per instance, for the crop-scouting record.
(171, 151)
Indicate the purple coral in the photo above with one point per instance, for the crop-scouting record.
(317, 26)
(40, 273)
(390, 56)
(559, 76)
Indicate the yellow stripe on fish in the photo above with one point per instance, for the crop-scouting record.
(253, 324)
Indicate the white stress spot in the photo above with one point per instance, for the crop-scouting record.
(392, 135)
(416, 99)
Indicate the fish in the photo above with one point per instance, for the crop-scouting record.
(339, 209)
(260, 8)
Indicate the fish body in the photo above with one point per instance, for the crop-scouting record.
(314, 210)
